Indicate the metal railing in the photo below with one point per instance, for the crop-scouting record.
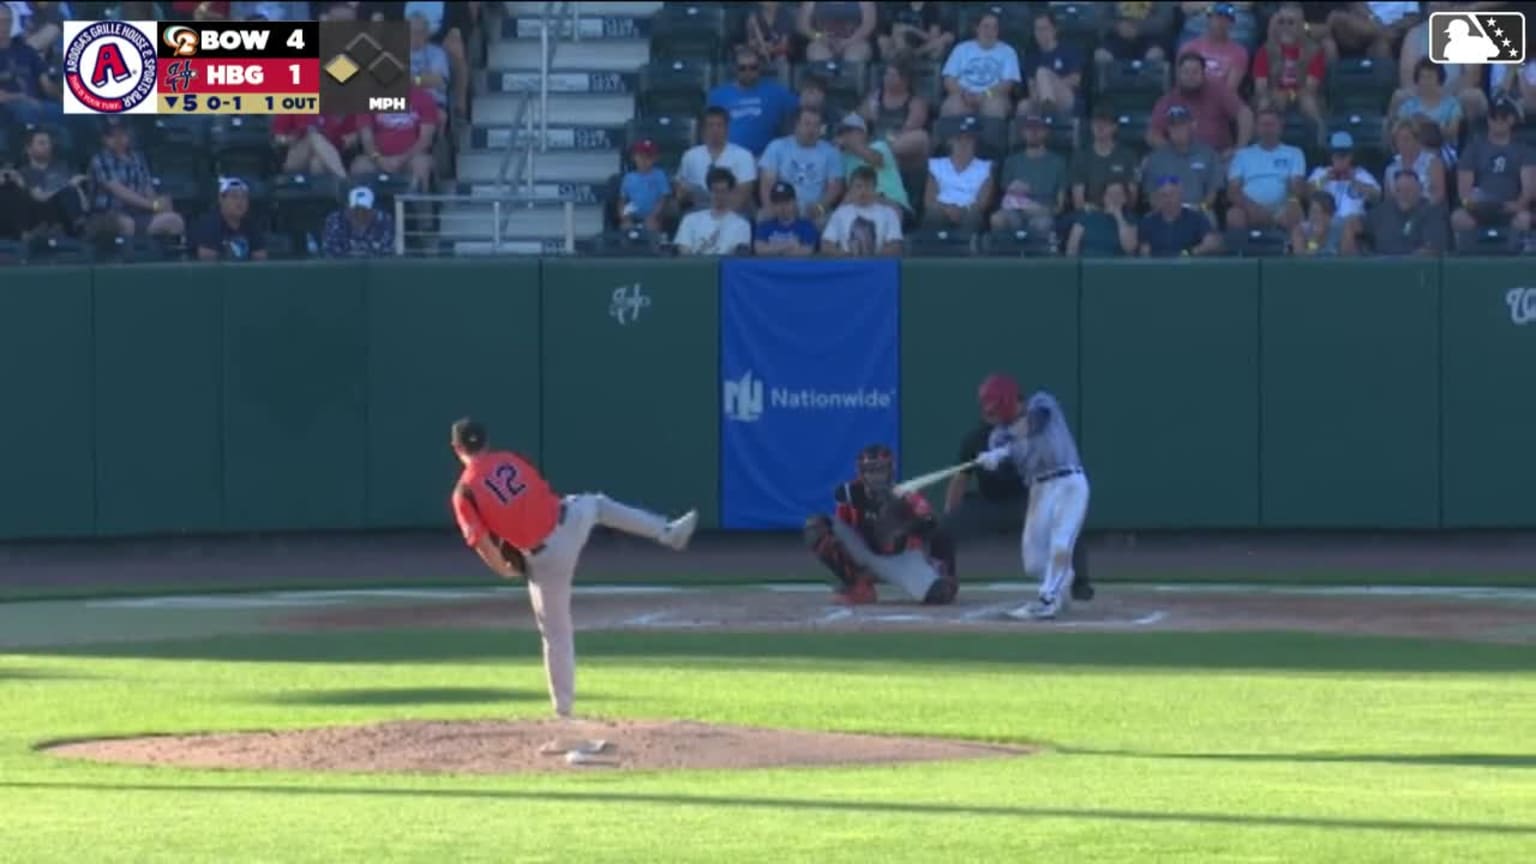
(429, 225)
(510, 177)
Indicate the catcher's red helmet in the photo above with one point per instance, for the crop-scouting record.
(999, 398)
(876, 467)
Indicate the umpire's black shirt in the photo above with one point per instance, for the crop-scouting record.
(1000, 485)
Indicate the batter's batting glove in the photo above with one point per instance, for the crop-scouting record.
(992, 458)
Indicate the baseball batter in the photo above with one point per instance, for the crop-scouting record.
(522, 530)
(875, 535)
(1040, 446)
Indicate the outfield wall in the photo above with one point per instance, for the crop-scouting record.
(1223, 394)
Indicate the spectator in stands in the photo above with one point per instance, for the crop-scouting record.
(1226, 59)
(1516, 84)
(960, 186)
(227, 233)
(864, 226)
(718, 230)
(125, 188)
(916, 31)
(714, 150)
(812, 93)
(1214, 108)
(337, 11)
(1155, 21)
(42, 26)
(770, 28)
(1052, 72)
(758, 108)
(1352, 188)
(1428, 99)
(981, 73)
(313, 143)
(429, 62)
(813, 166)
(1105, 231)
(1171, 230)
(1197, 20)
(1321, 233)
(1034, 183)
(400, 143)
(644, 193)
(1196, 165)
(1463, 82)
(1288, 69)
(1406, 222)
(897, 116)
(1266, 179)
(1413, 157)
(200, 10)
(1374, 30)
(44, 194)
(837, 31)
(1105, 160)
(785, 233)
(1126, 40)
(860, 152)
(454, 26)
(136, 11)
(269, 11)
(1496, 176)
(27, 94)
(359, 231)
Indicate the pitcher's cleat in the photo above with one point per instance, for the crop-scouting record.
(680, 530)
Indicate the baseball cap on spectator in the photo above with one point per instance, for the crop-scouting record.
(1165, 180)
(1341, 142)
(853, 121)
(232, 184)
(644, 146)
(1506, 107)
(1106, 113)
(1178, 114)
(781, 192)
(969, 125)
(1225, 10)
(360, 197)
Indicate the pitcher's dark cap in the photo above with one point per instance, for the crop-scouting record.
(468, 434)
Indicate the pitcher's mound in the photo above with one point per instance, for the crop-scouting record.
(502, 747)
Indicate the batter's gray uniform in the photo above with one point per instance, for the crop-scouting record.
(1041, 447)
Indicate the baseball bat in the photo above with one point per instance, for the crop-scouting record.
(924, 480)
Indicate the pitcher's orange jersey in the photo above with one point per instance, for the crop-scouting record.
(501, 494)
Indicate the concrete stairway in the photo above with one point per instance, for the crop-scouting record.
(591, 96)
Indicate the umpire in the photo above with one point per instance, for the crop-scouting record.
(997, 505)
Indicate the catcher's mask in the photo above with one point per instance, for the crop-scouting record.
(999, 398)
(876, 468)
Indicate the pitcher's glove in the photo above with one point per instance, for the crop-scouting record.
(894, 524)
(515, 559)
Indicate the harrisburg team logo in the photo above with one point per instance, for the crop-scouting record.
(109, 67)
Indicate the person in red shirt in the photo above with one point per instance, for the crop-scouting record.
(1213, 106)
(522, 530)
(314, 142)
(401, 142)
(1288, 68)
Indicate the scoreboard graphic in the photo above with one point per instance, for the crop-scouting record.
(240, 67)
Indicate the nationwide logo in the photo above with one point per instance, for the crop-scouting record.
(744, 400)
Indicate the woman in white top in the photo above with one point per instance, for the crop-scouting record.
(1464, 83)
(980, 74)
(1410, 154)
(960, 186)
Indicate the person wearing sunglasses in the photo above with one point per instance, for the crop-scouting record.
(759, 108)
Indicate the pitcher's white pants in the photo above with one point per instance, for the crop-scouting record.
(1051, 525)
(553, 569)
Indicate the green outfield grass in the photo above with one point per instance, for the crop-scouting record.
(1163, 747)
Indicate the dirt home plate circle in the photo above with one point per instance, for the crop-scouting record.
(110, 67)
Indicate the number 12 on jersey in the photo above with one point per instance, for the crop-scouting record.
(504, 484)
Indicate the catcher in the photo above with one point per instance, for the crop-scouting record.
(879, 536)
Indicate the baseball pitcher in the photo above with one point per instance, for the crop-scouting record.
(1039, 443)
(522, 530)
(876, 535)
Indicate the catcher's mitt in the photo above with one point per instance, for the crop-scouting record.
(895, 523)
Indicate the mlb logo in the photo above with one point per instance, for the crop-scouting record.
(1474, 38)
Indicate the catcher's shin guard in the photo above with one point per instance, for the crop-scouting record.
(853, 581)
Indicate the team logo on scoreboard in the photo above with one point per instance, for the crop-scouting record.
(109, 67)
(181, 39)
(179, 75)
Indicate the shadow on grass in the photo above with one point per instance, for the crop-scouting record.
(1463, 760)
(404, 696)
(1211, 651)
(545, 796)
(22, 674)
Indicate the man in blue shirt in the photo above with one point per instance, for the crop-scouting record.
(785, 233)
(759, 109)
(1172, 229)
(1053, 72)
